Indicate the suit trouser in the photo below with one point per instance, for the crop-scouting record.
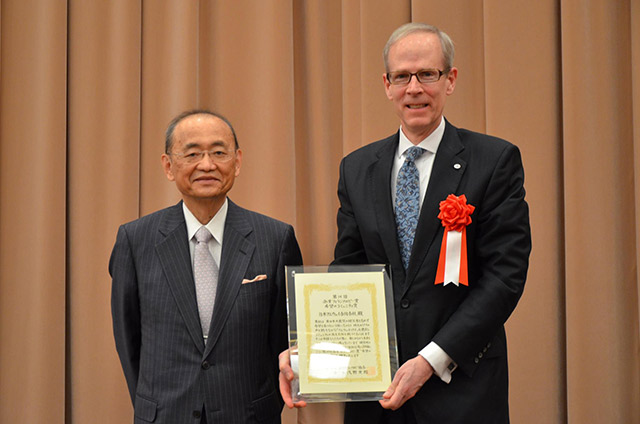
(401, 416)
(404, 415)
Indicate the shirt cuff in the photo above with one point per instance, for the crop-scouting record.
(441, 363)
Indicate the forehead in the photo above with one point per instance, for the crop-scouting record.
(422, 49)
(202, 130)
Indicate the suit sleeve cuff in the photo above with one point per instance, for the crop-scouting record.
(441, 363)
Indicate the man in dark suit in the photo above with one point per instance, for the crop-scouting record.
(393, 209)
(188, 358)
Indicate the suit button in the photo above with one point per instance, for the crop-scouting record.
(405, 303)
(480, 355)
(476, 360)
(197, 414)
(205, 365)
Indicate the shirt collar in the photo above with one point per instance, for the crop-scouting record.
(215, 226)
(430, 143)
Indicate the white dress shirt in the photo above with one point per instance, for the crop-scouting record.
(215, 227)
(441, 363)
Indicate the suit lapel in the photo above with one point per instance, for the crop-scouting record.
(237, 251)
(173, 251)
(380, 190)
(447, 171)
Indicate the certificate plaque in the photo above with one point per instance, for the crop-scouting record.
(342, 334)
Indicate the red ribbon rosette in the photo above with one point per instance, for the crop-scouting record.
(455, 214)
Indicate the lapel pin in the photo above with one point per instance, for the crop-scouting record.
(457, 166)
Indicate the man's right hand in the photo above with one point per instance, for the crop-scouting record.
(286, 376)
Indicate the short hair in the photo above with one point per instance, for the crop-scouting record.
(448, 50)
(168, 138)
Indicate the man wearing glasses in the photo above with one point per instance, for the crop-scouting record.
(445, 208)
(198, 290)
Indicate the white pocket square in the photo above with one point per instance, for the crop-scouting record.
(257, 278)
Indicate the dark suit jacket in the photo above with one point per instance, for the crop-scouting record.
(467, 322)
(171, 374)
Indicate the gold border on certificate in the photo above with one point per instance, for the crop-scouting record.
(343, 344)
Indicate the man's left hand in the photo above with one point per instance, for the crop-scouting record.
(406, 383)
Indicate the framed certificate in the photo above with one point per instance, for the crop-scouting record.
(341, 332)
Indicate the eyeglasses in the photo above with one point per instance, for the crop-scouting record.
(195, 156)
(424, 76)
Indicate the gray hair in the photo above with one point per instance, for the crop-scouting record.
(168, 138)
(448, 50)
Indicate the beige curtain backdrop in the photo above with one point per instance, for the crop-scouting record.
(87, 88)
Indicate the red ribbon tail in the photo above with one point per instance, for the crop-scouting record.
(464, 277)
(442, 259)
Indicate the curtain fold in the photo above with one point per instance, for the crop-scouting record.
(103, 180)
(33, 227)
(601, 262)
(635, 82)
(87, 89)
(523, 104)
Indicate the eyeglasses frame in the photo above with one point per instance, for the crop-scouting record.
(412, 74)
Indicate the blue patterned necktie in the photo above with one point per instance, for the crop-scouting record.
(408, 202)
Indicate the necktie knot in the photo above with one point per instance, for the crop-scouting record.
(414, 153)
(203, 235)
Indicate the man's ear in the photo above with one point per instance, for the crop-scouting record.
(387, 86)
(238, 161)
(452, 77)
(167, 166)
